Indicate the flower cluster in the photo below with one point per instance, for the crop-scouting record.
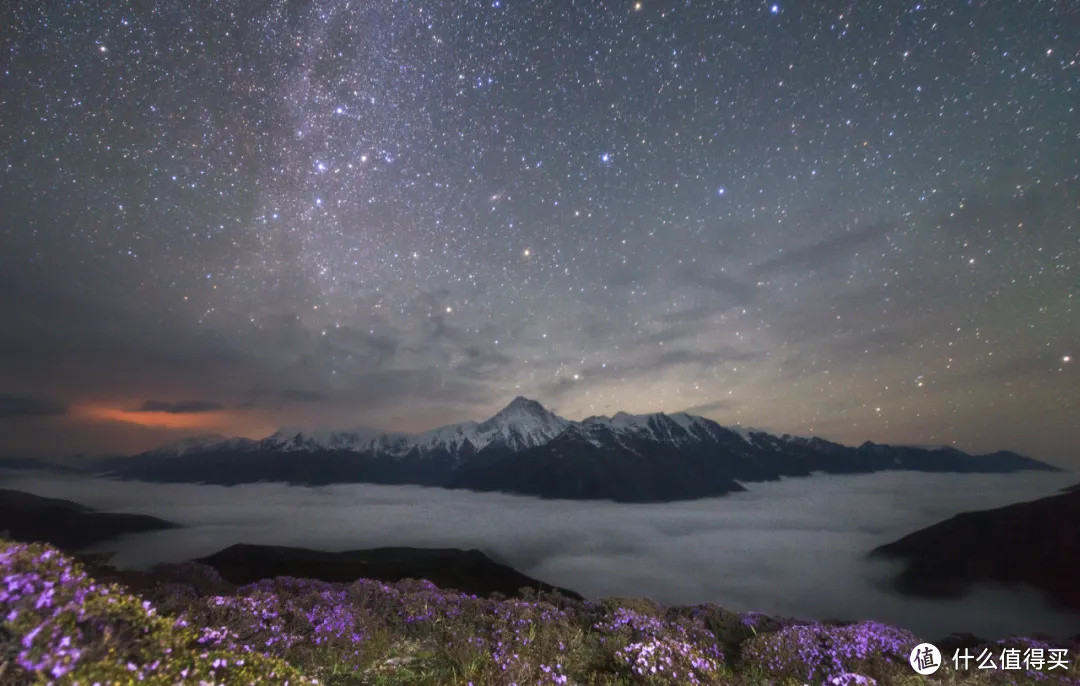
(70, 627)
(818, 652)
(31, 603)
(374, 626)
(523, 633)
(488, 640)
(752, 620)
(851, 679)
(299, 620)
(61, 625)
(662, 650)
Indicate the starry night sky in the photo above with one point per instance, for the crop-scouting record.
(856, 220)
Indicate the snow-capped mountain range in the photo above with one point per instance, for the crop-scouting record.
(524, 448)
(524, 423)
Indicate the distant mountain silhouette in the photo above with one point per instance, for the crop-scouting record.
(468, 571)
(1036, 542)
(67, 525)
(528, 450)
(16, 462)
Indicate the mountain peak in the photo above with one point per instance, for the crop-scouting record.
(522, 423)
(522, 405)
(523, 409)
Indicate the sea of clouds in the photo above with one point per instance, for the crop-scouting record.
(795, 548)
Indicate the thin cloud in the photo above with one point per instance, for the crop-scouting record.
(31, 406)
(648, 364)
(820, 254)
(730, 290)
(181, 407)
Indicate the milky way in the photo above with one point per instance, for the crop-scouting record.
(859, 221)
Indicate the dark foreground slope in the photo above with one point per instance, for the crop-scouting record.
(1036, 542)
(67, 525)
(468, 571)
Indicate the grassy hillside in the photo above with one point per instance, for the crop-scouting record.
(185, 623)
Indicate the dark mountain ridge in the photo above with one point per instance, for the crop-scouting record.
(528, 450)
(67, 525)
(1035, 542)
(467, 571)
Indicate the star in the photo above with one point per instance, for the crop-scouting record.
(434, 177)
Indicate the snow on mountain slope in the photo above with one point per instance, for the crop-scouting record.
(199, 443)
(521, 424)
(742, 431)
(625, 425)
(359, 439)
(677, 428)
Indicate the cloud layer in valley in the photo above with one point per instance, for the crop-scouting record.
(795, 548)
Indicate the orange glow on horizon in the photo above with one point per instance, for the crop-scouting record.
(229, 422)
(158, 420)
